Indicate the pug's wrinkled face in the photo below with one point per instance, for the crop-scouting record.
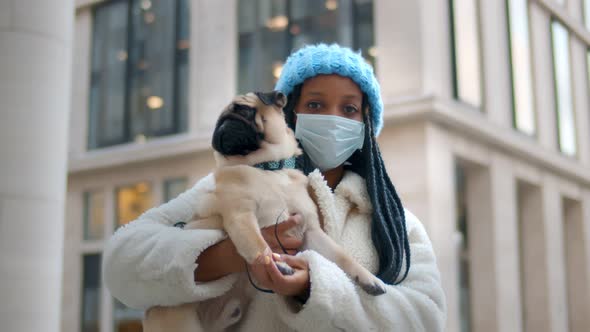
(248, 121)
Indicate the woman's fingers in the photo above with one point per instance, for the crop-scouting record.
(278, 235)
(294, 261)
(259, 274)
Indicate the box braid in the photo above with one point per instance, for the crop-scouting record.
(388, 227)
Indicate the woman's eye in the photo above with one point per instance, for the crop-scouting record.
(350, 109)
(314, 105)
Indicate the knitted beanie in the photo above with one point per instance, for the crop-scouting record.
(319, 59)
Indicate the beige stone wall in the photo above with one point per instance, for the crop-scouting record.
(528, 205)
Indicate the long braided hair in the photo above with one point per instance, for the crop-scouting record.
(388, 227)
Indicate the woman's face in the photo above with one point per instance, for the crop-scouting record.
(331, 95)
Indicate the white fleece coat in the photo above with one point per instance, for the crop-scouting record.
(149, 262)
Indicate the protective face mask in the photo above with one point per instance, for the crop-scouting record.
(329, 140)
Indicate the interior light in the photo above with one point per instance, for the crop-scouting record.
(331, 4)
(140, 138)
(277, 23)
(372, 51)
(154, 102)
(149, 17)
(183, 44)
(142, 188)
(122, 55)
(277, 68)
(146, 4)
(295, 29)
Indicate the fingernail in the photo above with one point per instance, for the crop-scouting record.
(266, 260)
(276, 256)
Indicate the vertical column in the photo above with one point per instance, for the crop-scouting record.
(213, 73)
(440, 215)
(581, 103)
(496, 67)
(555, 266)
(576, 263)
(436, 46)
(78, 142)
(506, 262)
(543, 76)
(533, 263)
(399, 50)
(586, 233)
(480, 225)
(35, 83)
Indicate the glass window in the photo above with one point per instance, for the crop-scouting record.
(126, 319)
(93, 215)
(270, 29)
(563, 89)
(464, 277)
(520, 51)
(139, 70)
(91, 293)
(586, 7)
(132, 201)
(466, 52)
(174, 187)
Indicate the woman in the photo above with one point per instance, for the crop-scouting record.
(336, 110)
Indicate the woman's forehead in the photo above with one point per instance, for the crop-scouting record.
(331, 85)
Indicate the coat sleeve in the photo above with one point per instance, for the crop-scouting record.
(150, 262)
(336, 303)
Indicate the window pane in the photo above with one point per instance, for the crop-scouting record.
(132, 201)
(126, 319)
(139, 70)
(93, 215)
(91, 293)
(151, 56)
(522, 85)
(466, 51)
(587, 13)
(173, 188)
(270, 29)
(108, 68)
(563, 89)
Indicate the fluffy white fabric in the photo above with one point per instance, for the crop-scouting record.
(149, 263)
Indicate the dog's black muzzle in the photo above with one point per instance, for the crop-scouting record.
(236, 132)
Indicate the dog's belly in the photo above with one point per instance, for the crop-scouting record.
(276, 194)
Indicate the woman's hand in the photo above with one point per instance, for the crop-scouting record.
(291, 242)
(268, 276)
(223, 258)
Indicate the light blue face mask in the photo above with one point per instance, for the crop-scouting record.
(329, 140)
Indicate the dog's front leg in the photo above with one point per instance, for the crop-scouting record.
(316, 239)
(243, 229)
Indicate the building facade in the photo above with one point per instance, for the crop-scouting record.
(486, 136)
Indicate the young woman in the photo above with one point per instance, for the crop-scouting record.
(336, 110)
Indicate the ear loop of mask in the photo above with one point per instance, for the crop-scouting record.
(282, 248)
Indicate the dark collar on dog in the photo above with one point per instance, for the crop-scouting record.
(277, 165)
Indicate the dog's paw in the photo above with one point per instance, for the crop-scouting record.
(374, 286)
(285, 269)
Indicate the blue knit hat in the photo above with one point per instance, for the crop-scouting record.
(319, 59)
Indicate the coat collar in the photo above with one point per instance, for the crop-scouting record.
(354, 188)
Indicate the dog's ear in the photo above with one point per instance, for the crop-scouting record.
(272, 98)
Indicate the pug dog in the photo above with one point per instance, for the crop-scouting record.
(250, 131)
